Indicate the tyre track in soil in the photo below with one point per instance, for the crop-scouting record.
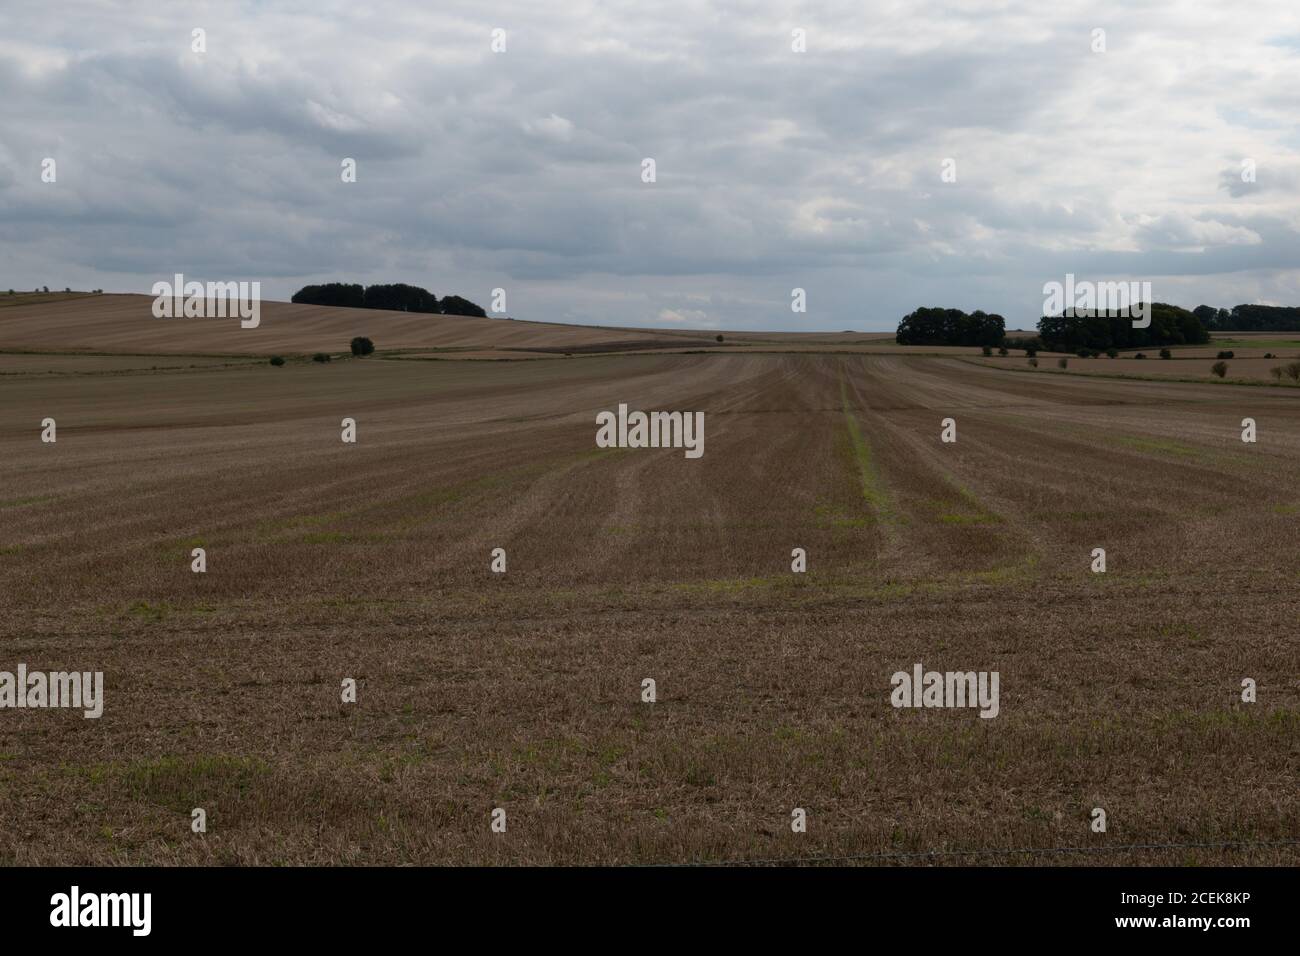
(115, 512)
(1035, 473)
(1119, 442)
(946, 528)
(608, 491)
(675, 519)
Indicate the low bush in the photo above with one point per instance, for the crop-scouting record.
(1219, 368)
(320, 357)
(277, 360)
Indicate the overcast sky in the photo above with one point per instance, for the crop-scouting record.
(776, 169)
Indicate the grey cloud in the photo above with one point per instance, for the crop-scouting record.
(775, 169)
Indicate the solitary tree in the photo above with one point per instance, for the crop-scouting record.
(362, 345)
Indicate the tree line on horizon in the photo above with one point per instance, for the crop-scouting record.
(1071, 331)
(1102, 330)
(1250, 318)
(1094, 330)
(395, 297)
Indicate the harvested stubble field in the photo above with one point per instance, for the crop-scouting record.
(479, 690)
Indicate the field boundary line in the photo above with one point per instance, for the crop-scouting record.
(1125, 377)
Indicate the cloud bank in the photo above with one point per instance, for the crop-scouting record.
(776, 169)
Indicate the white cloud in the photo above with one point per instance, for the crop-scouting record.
(683, 316)
(553, 127)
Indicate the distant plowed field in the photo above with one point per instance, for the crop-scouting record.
(523, 690)
(125, 323)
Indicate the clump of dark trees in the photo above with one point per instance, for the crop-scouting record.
(1249, 318)
(397, 297)
(929, 326)
(1074, 331)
